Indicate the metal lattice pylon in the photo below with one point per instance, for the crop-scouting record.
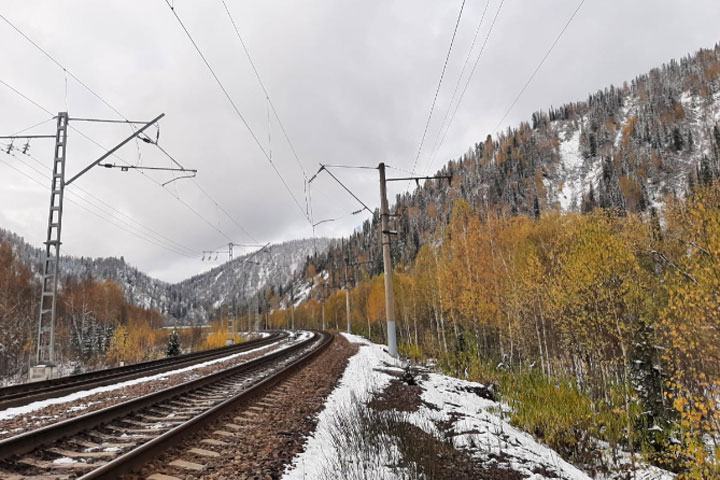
(48, 296)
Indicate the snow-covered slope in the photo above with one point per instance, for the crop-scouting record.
(450, 408)
(243, 277)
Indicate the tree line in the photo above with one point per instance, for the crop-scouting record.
(95, 326)
(621, 308)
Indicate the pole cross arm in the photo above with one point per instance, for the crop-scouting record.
(24, 137)
(404, 179)
(115, 148)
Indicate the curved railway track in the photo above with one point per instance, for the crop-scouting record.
(120, 438)
(26, 393)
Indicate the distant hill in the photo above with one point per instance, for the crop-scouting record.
(193, 300)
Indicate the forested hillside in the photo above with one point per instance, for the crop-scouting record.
(221, 290)
(624, 147)
(574, 260)
(95, 324)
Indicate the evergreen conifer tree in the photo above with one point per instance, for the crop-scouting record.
(173, 346)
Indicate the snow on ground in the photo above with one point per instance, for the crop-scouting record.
(476, 425)
(360, 380)
(479, 429)
(31, 407)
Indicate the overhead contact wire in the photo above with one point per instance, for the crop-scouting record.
(467, 83)
(437, 90)
(235, 107)
(542, 61)
(105, 102)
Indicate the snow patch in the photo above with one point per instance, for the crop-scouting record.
(476, 424)
(31, 407)
(571, 163)
(359, 381)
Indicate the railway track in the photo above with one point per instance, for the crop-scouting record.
(26, 393)
(120, 438)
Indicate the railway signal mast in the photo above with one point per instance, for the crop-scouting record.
(44, 367)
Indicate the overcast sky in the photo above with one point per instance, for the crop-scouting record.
(352, 82)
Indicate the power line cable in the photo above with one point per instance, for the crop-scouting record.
(437, 91)
(95, 142)
(168, 244)
(56, 62)
(19, 93)
(225, 212)
(237, 110)
(139, 226)
(176, 196)
(399, 169)
(34, 126)
(83, 207)
(262, 85)
(207, 194)
(467, 83)
(542, 61)
(106, 103)
(459, 80)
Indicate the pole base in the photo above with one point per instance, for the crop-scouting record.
(39, 373)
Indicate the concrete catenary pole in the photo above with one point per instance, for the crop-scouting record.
(324, 295)
(387, 264)
(347, 290)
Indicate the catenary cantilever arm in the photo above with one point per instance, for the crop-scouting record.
(115, 148)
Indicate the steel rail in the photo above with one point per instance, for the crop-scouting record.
(45, 436)
(26, 393)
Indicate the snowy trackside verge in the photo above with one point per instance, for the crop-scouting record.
(475, 424)
(359, 381)
(31, 407)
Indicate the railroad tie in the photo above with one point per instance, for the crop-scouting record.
(102, 445)
(213, 442)
(166, 418)
(204, 453)
(56, 466)
(72, 454)
(233, 426)
(133, 433)
(110, 440)
(8, 476)
(152, 425)
(246, 416)
(224, 433)
(137, 433)
(160, 476)
(187, 465)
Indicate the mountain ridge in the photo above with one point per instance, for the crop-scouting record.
(193, 300)
(625, 148)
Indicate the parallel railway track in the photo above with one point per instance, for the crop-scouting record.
(26, 393)
(120, 438)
